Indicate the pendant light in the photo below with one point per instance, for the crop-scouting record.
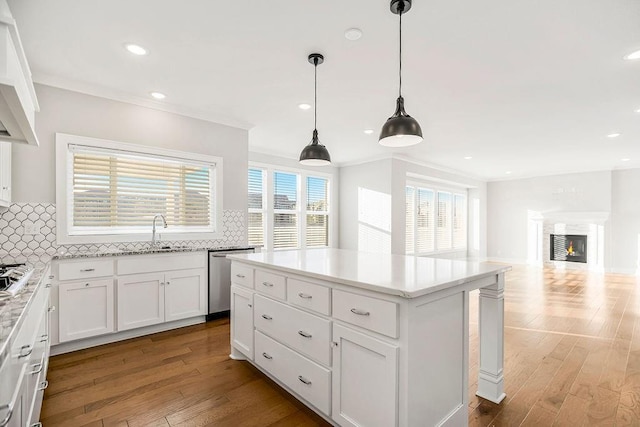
(315, 154)
(400, 130)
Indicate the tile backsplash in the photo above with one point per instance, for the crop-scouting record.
(18, 241)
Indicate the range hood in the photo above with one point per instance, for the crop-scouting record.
(18, 103)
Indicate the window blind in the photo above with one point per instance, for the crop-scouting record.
(317, 211)
(410, 217)
(114, 189)
(285, 204)
(257, 199)
(425, 225)
(444, 228)
(459, 221)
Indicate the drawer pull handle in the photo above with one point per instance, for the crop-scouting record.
(7, 418)
(37, 368)
(44, 338)
(267, 284)
(240, 276)
(267, 317)
(304, 380)
(360, 312)
(25, 350)
(38, 424)
(266, 356)
(48, 285)
(43, 385)
(51, 276)
(305, 296)
(86, 270)
(304, 334)
(52, 308)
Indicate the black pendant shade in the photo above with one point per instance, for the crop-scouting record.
(315, 154)
(400, 130)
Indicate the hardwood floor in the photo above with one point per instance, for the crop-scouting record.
(572, 358)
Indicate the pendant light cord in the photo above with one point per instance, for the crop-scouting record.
(401, 8)
(315, 93)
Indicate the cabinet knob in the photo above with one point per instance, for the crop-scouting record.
(48, 285)
(249, 305)
(86, 284)
(43, 385)
(52, 308)
(334, 344)
(167, 283)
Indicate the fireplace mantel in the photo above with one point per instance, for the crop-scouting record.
(598, 218)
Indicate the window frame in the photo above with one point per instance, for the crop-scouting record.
(301, 208)
(64, 196)
(436, 189)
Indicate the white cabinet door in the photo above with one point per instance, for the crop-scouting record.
(5, 173)
(140, 300)
(185, 294)
(242, 320)
(365, 380)
(86, 309)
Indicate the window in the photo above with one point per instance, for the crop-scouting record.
(112, 189)
(288, 208)
(435, 220)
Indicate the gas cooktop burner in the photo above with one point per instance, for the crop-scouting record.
(14, 276)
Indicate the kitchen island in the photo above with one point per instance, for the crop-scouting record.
(369, 339)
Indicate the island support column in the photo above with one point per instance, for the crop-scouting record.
(491, 331)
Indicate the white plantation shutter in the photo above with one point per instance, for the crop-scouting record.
(425, 224)
(317, 211)
(410, 218)
(459, 221)
(117, 191)
(285, 210)
(444, 227)
(257, 206)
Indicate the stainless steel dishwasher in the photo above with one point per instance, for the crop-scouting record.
(220, 281)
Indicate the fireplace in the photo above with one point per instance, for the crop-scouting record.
(569, 247)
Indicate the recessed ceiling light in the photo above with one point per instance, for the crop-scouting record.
(353, 34)
(468, 158)
(633, 55)
(508, 172)
(304, 106)
(613, 135)
(136, 49)
(158, 95)
(368, 131)
(624, 160)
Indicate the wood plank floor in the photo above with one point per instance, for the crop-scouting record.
(572, 358)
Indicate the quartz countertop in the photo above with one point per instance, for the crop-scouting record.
(405, 276)
(143, 251)
(13, 310)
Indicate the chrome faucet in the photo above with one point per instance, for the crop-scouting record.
(153, 233)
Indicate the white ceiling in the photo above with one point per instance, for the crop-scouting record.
(531, 87)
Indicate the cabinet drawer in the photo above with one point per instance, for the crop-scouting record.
(271, 284)
(304, 332)
(241, 275)
(154, 263)
(85, 269)
(308, 379)
(309, 295)
(370, 313)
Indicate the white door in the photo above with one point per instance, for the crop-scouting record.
(365, 380)
(86, 309)
(242, 320)
(185, 294)
(140, 300)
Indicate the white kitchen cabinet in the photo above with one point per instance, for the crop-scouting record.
(86, 309)
(5, 174)
(242, 320)
(365, 380)
(151, 298)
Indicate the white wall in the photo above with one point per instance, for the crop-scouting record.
(509, 203)
(625, 220)
(33, 177)
(365, 206)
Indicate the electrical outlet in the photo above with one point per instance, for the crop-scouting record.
(31, 228)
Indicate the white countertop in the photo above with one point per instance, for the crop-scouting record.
(406, 276)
